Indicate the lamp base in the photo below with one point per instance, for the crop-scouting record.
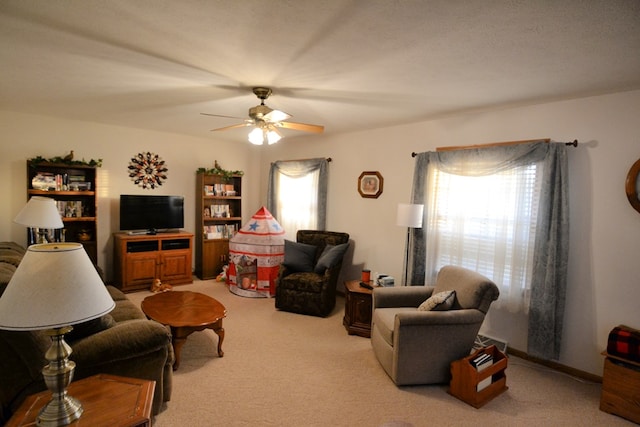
(60, 412)
(62, 409)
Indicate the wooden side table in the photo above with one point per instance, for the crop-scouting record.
(108, 400)
(357, 308)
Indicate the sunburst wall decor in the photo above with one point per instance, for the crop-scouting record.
(147, 170)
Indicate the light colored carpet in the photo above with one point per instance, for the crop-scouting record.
(284, 369)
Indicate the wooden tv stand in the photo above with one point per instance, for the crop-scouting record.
(139, 259)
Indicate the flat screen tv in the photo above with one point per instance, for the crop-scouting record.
(150, 214)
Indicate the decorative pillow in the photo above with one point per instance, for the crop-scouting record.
(90, 327)
(299, 257)
(441, 301)
(330, 256)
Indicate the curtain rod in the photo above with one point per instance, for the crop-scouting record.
(496, 144)
(328, 159)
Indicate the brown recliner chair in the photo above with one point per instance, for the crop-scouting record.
(417, 347)
(308, 277)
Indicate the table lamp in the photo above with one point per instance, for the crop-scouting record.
(41, 213)
(54, 287)
(410, 216)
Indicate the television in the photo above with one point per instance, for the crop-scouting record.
(150, 214)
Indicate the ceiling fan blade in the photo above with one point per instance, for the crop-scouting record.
(301, 126)
(239, 125)
(220, 115)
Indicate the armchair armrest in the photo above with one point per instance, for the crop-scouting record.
(402, 296)
(452, 318)
(127, 343)
(283, 271)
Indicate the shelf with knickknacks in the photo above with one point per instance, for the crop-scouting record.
(72, 184)
(219, 216)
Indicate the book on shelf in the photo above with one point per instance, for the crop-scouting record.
(482, 362)
(484, 384)
(222, 231)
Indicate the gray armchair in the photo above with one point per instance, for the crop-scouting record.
(417, 347)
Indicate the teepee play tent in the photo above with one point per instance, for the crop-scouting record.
(255, 255)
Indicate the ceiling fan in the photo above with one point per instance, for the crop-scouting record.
(266, 121)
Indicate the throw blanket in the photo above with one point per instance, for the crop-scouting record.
(624, 342)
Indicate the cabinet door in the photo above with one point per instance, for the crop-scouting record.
(361, 310)
(141, 268)
(175, 266)
(215, 254)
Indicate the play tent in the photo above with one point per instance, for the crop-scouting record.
(255, 255)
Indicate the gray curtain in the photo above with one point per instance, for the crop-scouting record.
(299, 168)
(546, 310)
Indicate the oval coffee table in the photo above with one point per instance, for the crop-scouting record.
(186, 312)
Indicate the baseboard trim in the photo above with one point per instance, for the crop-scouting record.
(556, 366)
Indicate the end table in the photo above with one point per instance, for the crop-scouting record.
(357, 308)
(108, 400)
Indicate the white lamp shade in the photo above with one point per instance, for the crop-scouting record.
(55, 285)
(40, 212)
(410, 215)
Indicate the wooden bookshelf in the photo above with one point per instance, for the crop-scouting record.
(465, 378)
(69, 185)
(212, 249)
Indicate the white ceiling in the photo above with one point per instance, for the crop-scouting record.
(345, 64)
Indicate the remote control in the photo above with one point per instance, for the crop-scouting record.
(366, 285)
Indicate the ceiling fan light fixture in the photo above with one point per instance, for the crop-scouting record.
(264, 134)
(266, 121)
(272, 137)
(256, 136)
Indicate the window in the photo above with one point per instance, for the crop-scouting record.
(297, 203)
(488, 224)
(501, 210)
(297, 195)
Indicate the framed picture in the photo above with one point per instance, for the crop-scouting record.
(370, 184)
(632, 185)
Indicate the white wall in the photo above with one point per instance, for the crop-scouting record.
(25, 136)
(604, 286)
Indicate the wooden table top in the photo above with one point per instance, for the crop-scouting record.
(108, 400)
(354, 286)
(183, 308)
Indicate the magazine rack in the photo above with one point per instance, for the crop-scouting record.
(465, 378)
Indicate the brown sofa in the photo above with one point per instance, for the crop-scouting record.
(122, 343)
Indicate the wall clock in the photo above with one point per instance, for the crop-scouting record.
(147, 170)
(632, 186)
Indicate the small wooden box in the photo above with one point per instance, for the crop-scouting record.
(621, 388)
(465, 378)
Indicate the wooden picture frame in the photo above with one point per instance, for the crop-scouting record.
(370, 184)
(632, 185)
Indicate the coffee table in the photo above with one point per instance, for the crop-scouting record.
(186, 312)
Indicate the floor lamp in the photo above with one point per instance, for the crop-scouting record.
(409, 216)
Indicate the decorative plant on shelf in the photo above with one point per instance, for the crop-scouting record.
(218, 170)
(66, 160)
